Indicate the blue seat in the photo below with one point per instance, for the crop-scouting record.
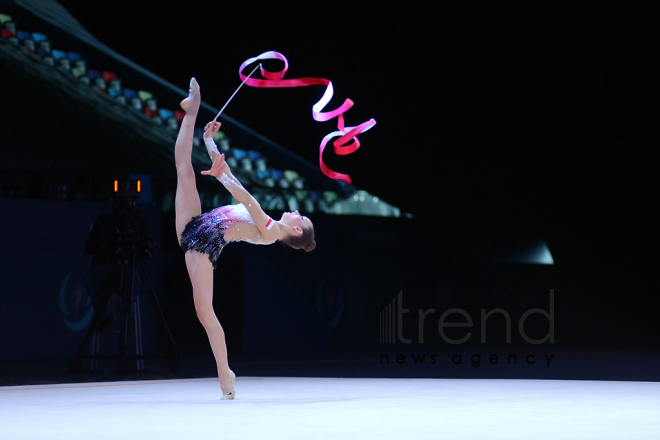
(73, 56)
(277, 174)
(198, 132)
(114, 92)
(57, 54)
(239, 154)
(253, 155)
(22, 35)
(93, 74)
(262, 174)
(37, 37)
(130, 93)
(315, 195)
(165, 114)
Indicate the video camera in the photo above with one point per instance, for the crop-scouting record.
(128, 219)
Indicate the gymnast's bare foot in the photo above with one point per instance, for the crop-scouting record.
(191, 104)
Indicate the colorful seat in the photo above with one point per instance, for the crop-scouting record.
(22, 35)
(178, 114)
(74, 56)
(57, 54)
(37, 37)
(116, 83)
(260, 163)
(151, 103)
(93, 74)
(262, 174)
(130, 94)
(144, 95)
(246, 164)
(114, 92)
(239, 154)
(253, 155)
(45, 46)
(80, 64)
(4, 18)
(172, 123)
(136, 104)
(276, 174)
(77, 72)
(165, 114)
(109, 76)
(290, 175)
(10, 26)
(64, 64)
(30, 45)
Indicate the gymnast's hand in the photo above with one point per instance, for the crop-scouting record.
(211, 129)
(218, 168)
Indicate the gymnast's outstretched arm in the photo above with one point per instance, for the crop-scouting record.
(268, 228)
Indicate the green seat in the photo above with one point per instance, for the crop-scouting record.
(4, 18)
(144, 95)
(290, 175)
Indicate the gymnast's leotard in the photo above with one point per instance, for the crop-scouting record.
(206, 232)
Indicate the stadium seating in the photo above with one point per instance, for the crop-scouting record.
(293, 192)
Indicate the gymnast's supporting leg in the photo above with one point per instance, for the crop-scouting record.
(187, 205)
(201, 275)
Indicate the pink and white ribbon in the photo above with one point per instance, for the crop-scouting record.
(346, 134)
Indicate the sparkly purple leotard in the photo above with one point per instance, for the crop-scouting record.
(205, 233)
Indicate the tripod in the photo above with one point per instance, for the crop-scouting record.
(130, 264)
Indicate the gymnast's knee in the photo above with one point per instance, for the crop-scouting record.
(185, 170)
(206, 315)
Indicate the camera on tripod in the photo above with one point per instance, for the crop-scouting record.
(124, 244)
(129, 221)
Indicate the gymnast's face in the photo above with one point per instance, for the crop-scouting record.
(296, 221)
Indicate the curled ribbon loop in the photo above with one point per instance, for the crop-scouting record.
(346, 134)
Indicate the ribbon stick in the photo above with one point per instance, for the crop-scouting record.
(346, 134)
(236, 91)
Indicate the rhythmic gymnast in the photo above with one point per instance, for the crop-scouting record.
(203, 236)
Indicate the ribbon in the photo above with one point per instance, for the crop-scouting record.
(346, 134)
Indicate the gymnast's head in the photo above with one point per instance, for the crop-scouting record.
(298, 231)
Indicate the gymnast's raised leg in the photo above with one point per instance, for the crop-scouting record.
(187, 205)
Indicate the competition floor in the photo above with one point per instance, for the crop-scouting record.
(315, 408)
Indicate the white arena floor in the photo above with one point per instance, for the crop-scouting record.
(320, 408)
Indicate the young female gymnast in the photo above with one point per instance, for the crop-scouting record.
(203, 236)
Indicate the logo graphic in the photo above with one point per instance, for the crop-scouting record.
(392, 316)
(75, 303)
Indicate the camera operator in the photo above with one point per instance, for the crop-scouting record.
(114, 236)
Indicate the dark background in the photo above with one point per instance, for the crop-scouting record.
(494, 122)
(490, 117)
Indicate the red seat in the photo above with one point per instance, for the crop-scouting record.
(6, 33)
(178, 114)
(109, 76)
(149, 112)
